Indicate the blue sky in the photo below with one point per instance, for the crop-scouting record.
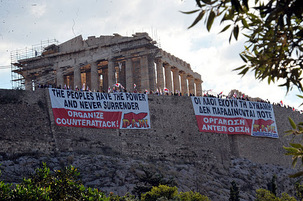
(26, 23)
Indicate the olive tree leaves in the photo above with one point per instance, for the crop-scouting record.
(227, 10)
(274, 31)
(295, 149)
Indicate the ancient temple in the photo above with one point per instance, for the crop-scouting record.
(99, 63)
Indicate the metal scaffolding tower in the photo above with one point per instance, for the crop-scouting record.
(16, 55)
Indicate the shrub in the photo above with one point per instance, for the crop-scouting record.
(265, 195)
(150, 178)
(160, 191)
(45, 185)
(5, 190)
(164, 192)
(192, 196)
(59, 185)
(234, 192)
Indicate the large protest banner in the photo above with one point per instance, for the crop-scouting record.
(100, 110)
(234, 116)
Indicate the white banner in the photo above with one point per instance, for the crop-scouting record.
(234, 116)
(100, 110)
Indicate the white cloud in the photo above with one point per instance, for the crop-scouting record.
(25, 23)
(38, 10)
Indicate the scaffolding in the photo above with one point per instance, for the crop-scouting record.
(34, 51)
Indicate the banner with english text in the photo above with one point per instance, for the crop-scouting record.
(235, 116)
(100, 110)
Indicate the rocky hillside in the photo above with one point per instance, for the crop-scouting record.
(113, 160)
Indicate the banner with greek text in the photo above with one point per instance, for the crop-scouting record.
(100, 110)
(234, 116)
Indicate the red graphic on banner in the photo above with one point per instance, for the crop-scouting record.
(261, 125)
(132, 120)
(213, 124)
(89, 119)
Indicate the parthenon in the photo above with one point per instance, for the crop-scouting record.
(98, 63)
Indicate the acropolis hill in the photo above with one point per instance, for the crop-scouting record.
(112, 159)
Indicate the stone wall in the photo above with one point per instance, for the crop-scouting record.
(111, 159)
(24, 122)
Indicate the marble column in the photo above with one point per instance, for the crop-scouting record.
(151, 73)
(65, 81)
(111, 74)
(105, 80)
(77, 77)
(88, 79)
(60, 77)
(198, 87)
(176, 80)
(28, 84)
(191, 85)
(168, 83)
(183, 83)
(94, 77)
(144, 74)
(129, 75)
(71, 82)
(160, 79)
(122, 75)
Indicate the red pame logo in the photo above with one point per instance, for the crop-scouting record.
(132, 120)
(261, 125)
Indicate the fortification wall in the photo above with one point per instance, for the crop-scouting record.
(267, 150)
(28, 128)
(174, 136)
(24, 122)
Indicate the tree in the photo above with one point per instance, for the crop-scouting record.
(164, 192)
(46, 185)
(272, 185)
(234, 192)
(264, 195)
(150, 178)
(274, 34)
(161, 191)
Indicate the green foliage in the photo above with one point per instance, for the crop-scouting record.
(63, 184)
(92, 194)
(295, 149)
(29, 192)
(286, 197)
(159, 192)
(150, 178)
(266, 195)
(5, 190)
(59, 185)
(192, 196)
(299, 190)
(234, 192)
(274, 35)
(46, 185)
(164, 192)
